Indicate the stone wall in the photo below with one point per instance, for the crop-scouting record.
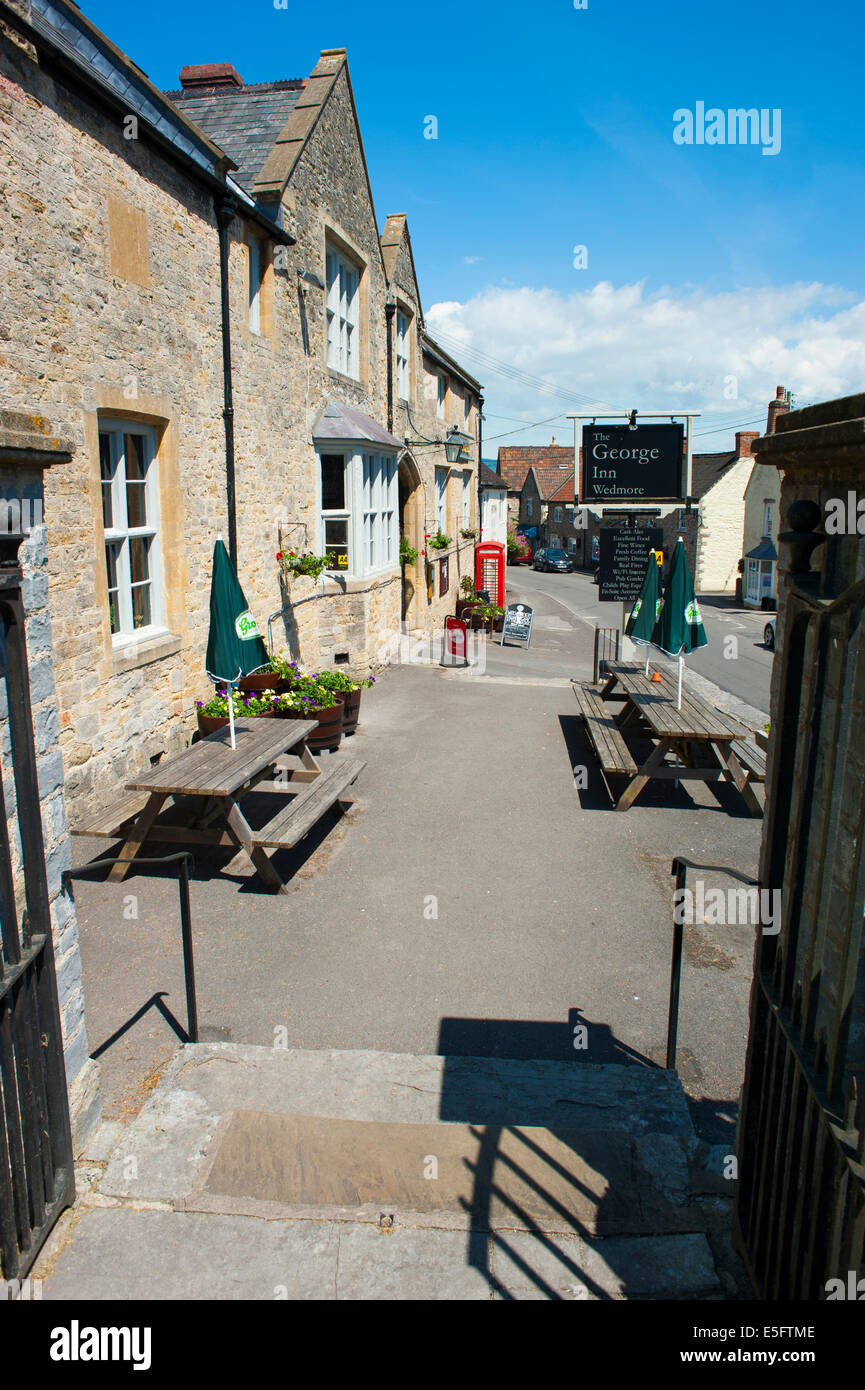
(112, 288)
(81, 1072)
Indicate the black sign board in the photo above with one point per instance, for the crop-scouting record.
(517, 626)
(645, 464)
(624, 556)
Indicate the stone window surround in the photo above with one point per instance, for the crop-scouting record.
(404, 312)
(111, 425)
(353, 452)
(333, 238)
(266, 300)
(156, 412)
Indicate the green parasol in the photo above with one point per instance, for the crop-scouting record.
(644, 613)
(234, 646)
(679, 628)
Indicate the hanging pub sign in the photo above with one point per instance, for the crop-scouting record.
(517, 626)
(645, 464)
(624, 557)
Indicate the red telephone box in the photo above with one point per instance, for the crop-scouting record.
(490, 570)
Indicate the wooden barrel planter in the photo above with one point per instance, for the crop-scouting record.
(328, 735)
(350, 710)
(261, 680)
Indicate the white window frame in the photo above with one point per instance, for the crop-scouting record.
(467, 498)
(371, 510)
(403, 355)
(557, 514)
(120, 533)
(441, 499)
(530, 504)
(342, 313)
(752, 580)
(441, 395)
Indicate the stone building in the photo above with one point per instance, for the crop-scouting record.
(198, 298)
(515, 460)
(542, 483)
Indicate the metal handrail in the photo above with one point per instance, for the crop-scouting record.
(184, 859)
(680, 868)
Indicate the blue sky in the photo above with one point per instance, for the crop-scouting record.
(555, 130)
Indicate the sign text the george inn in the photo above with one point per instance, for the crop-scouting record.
(643, 464)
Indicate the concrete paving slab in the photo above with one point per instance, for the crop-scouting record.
(407, 1263)
(674, 1266)
(122, 1253)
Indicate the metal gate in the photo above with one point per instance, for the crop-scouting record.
(36, 1167)
(801, 1195)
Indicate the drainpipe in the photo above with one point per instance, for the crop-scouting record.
(389, 311)
(226, 211)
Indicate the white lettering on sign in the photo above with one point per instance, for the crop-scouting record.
(601, 451)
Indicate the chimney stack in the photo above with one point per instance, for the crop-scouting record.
(744, 441)
(210, 77)
(779, 406)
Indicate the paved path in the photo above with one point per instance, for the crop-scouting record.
(475, 902)
(741, 666)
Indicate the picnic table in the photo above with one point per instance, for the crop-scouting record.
(207, 782)
(709, 745)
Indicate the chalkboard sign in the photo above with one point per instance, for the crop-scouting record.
(623, 560)
(518, 623)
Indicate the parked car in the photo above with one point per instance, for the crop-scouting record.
(769, 635)
(553, 561)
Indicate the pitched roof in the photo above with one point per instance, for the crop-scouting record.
(708, 469)
(246, 122)
(489, 478)
(516, 460)
(566, 492)
(550, 480)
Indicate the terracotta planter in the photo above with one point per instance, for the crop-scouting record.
(261, 680)
(329, 732)
(350, 710)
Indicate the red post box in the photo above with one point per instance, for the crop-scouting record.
(490, 570)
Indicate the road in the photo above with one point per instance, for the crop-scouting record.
(735, 658)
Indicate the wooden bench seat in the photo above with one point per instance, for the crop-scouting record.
(109, 821)
(607, 741)
(288, 827)
(752, 758)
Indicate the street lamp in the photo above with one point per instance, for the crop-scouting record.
(456, 445)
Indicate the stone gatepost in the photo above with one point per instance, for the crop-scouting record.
(27, 447)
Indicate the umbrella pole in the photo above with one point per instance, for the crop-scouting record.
(679, 702)
(231, 713)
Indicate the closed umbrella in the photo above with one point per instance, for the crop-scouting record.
(644, 613)
(679, 628)
(234, 646)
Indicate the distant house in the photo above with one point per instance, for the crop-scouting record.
(494, 505)
(514, 462)
(760, 530)
(719, 481)
(543, 482)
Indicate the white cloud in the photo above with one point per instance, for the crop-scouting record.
(676, 347)
(471, 260)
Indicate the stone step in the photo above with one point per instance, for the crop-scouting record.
(404, 1176)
